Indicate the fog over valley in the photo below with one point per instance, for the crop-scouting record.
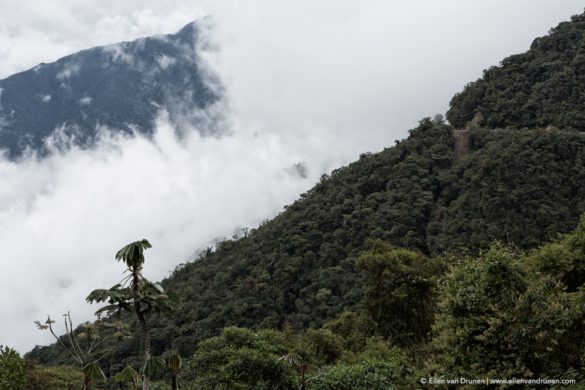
(302, 88)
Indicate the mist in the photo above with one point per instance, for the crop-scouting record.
(308, 83)
(62, 219)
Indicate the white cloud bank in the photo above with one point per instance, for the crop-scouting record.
(312, 82)
(62, 219)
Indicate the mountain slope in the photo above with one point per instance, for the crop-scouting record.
(121, 86)
(298, 269)
(542, 87)
(520, 187)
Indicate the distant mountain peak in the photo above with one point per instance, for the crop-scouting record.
(122, 86)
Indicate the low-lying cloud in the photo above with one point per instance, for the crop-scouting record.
(308, 82)
(63, 218)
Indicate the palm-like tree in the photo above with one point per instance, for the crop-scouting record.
(136, 294)
(83, 346)
(174, 364)
(299, 364)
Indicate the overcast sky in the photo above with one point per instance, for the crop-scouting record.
(317, 82)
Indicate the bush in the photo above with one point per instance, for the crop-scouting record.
(511, 315)
(322, 345)
(367, 375)
(399, 291)
(242, 359)
(52, 378)
(12, 369)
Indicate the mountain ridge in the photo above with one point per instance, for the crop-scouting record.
(541, 87)
(298, 270)
(121, 86)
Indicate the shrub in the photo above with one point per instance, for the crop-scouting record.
(12, 369)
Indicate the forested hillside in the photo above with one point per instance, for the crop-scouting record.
(410, 262)
(542, 87)
(298, 269)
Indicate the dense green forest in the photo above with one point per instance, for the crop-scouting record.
(504, 313)
(542, 87)
(408, 263)
(298, 270)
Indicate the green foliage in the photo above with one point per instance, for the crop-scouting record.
(12, 369)
(368, 374)
(137, 295)
(521, 188)
(399, 291)
(133, 254)
(242, 359)
(354, 328)
(476, 312)
(53, 378)
(506, 314)
(563, 259)
(322, 345)
(154, 366)
(299, 269)
(82, 344)
(128, 374)
(94, 373)
(369, 242)
(174, 364)
(541, 87)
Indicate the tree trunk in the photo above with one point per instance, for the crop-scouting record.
(145, 330)
(174, 383)
(146, 336)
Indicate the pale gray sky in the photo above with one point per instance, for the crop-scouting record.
(308, 81)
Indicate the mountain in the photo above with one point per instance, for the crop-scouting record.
(542, 87)
(298, 269)
(121, 86)
(445, 193)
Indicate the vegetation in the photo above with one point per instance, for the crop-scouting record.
(399, 294)
(83, 345)
(240, 358)
(504, 313)
(406, 264)
(539, 88)
(136, 294)
(64, 94)
(12, 370)
(301, 269)
(53, 378)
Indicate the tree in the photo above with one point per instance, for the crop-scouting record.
(299, 364)
(174, 364)
(12, 369)
(135, 294)
(476, 313)
(504, 314)
(84, 346)
(399, 291)
(241, 359)
(128, 375)
(391, 372)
